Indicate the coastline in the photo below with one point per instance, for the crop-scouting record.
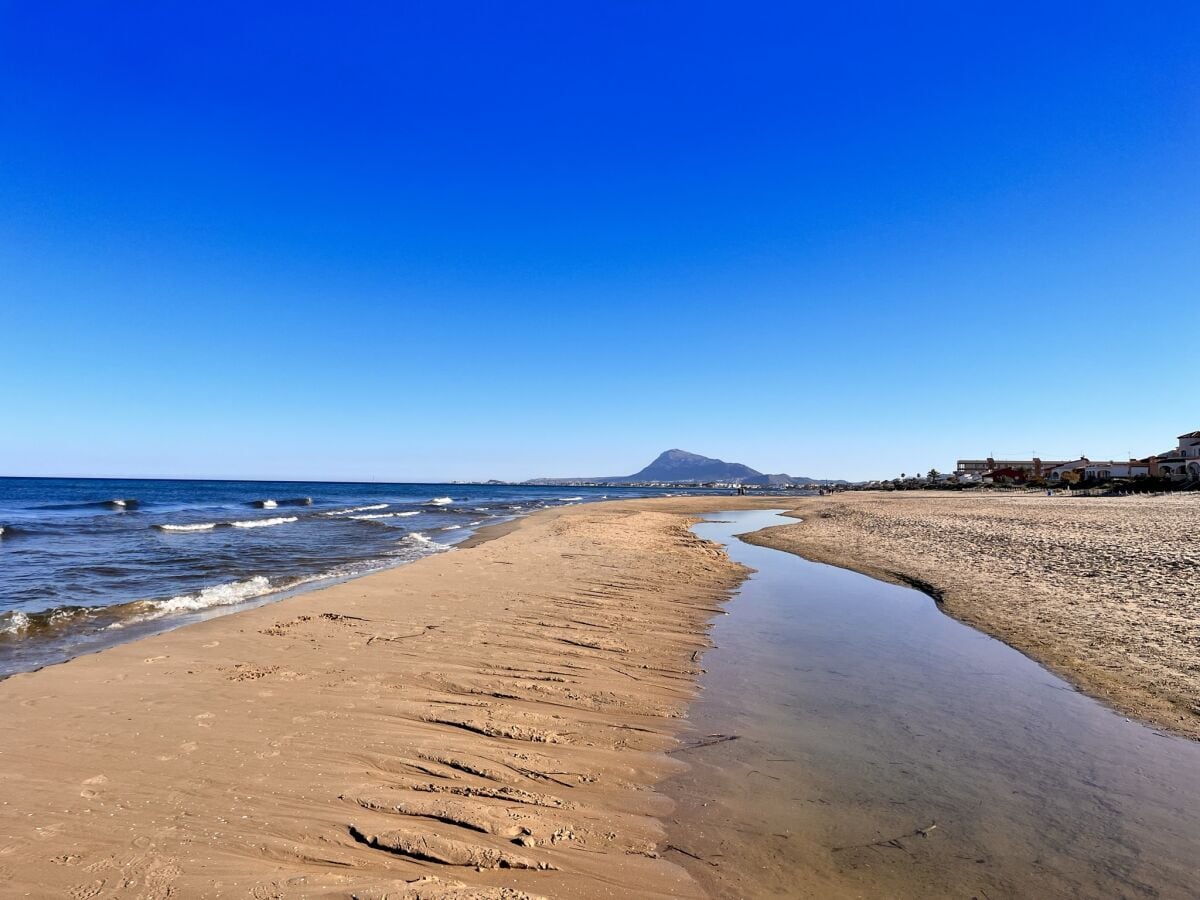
(492, 719)
(1101, 591)
(490, 722)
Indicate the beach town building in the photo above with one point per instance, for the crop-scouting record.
(1071, 471)
(1034, 468)
(1104, 470)
(1181, 462)
(1068, 471)
(1006, 475)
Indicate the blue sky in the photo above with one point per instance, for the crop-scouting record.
(451, 240)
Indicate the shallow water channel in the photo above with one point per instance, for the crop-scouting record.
(887, 750)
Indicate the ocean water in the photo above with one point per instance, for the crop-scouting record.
(85, 563)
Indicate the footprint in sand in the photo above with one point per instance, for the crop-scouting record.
(87, 891)
(151, 659)
(212, 644)
(188, 746)
(88, 793)
(203, 720)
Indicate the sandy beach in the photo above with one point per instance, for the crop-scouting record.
(493, 721)
(493, 717)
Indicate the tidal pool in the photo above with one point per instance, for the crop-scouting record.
(886, 750)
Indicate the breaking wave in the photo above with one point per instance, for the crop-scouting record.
(206, 598)
(244, 523)
(17, 622)
(263, 523)
(264, 504)
(439, 501)
(417, 539)
(355, 509)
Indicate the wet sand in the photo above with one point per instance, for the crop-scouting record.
(885, 750)
(1104, 591)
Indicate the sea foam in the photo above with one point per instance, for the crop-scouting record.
(417, 539)
(354, 509)
(17, 622)
(217, 595)
(263, 523)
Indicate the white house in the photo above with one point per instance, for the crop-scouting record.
(1181, 462)
(1105, 470)
(1056, 473)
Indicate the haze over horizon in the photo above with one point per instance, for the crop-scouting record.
(536, 241)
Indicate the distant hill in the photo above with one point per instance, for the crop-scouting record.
(675, 466)
(679, 465)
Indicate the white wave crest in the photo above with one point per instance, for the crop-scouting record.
(263, 523)
(569, 499)
(439, 501)
(411, 512)
(354, 509)
(266, 504)
(391, 515)
(217, 595)
(17, 623)
(417, 539)
(451, 527)
(198, 526)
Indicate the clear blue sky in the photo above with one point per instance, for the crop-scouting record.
(451, 240)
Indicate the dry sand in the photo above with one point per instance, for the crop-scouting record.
(491, 722)
(484, 723)
(1104, 591)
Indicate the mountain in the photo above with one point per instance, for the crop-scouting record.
(679, 465)
(676, 466)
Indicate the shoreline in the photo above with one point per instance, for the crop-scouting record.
(1094, 589)
(492, 719)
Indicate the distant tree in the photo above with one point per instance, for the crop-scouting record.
(902, 476)
(933, 475)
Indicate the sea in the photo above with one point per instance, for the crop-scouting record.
(86, 563)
